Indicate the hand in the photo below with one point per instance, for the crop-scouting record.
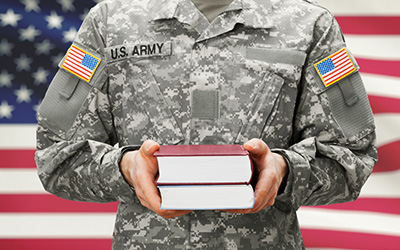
(140, 169)
(271, 169)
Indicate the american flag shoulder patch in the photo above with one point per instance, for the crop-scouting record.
(335, 67)
(80, 63)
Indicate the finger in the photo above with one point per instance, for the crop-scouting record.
(150, 191)
(260, 195)
(264, 190)
(169, 214)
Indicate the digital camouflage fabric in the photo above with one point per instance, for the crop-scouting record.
(169, 75)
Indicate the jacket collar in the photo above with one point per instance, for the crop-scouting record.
(253, 13)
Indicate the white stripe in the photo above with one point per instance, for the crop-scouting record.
(382, 185)
(74, 60)
(354, 221)
(387, 128)
(339, 57)
(379, 85)
(20, 181)
(60, 225)
(362, 7)
(17, 136)
(339, 54)
(78, 52)
(78, 63)
(100, 225)
(338, 70)
(80, 66)
(339, 73)
(76, 56)
(26, 181)
(382, 47)
(77, 69)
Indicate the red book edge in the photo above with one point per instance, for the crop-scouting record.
(200, 150)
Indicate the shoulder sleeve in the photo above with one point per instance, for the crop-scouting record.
(75, 155)
(334, 148)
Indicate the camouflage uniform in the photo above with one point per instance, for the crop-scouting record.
(169, 75)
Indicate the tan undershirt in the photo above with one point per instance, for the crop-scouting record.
(211, 8)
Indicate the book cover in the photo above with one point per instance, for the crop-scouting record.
(200, 150)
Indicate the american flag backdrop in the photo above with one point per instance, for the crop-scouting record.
(34, 36)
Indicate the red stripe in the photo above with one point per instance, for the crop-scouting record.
(77, 51)
(349, 240)
(83, 52)
(340, 73)
(370, 25)
(339, 69)
(17, 158)
(76, 71)
(76, 56)
(47, 203)
(339, 54)
(389, 68)
(381, 104)
(341, 61)
(77, 66)
(388, 156)
(59, 244)
(378, 205)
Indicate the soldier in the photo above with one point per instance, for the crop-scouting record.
(146, 73)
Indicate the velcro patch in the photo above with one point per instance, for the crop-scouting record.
(80, 63)
(335, 67)
(205, 104)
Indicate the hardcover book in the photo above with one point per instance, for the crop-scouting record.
(204, 177)
(203, 164)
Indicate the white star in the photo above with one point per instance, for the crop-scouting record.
(10, 18)
(29, 33)
(44, 47)
(40, 76)
(57, 59)
(6, 47)
(23, 94)
(69, 35)
(31, 5)
(5, 110)
(54, 20)
(66, 5)
(23, 63)
(5, 79)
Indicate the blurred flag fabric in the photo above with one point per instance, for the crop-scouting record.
(34, 36)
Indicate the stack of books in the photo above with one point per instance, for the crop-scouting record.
(204, 177)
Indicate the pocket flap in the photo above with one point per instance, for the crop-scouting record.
(157, 109)
(277, 56)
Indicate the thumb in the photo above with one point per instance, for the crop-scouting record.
(149, 147)
(257, 148)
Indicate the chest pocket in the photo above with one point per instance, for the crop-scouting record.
(141, 112)
(250, 99)
(249, 96)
